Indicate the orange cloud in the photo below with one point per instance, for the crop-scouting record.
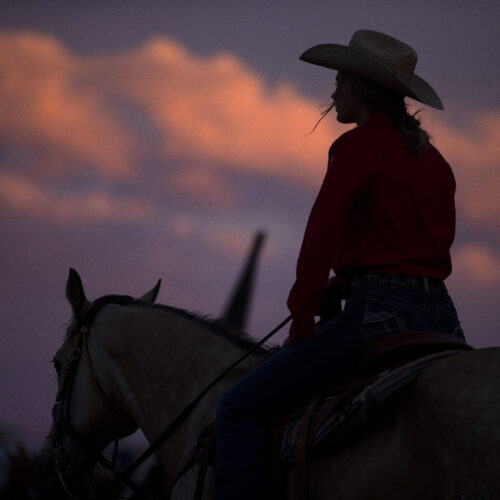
(202, 185)
(474, 154)
(218, 112)
(113, 113)
(231, 240)
(48, 109)
(24, 195)
(476, 265)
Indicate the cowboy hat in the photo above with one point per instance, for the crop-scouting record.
(377, 57)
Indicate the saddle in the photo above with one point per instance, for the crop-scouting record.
(389, 365)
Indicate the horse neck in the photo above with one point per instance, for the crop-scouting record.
(163, 361)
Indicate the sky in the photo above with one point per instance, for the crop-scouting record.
(152, 139)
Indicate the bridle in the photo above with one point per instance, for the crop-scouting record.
(61, 414)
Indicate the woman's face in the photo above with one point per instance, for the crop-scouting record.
(350, 108)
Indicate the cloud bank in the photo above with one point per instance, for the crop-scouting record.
(160, 120)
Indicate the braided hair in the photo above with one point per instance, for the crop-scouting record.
(380, 99)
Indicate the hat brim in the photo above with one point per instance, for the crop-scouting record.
(349, 60)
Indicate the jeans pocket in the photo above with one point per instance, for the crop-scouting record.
(379, 319)
(377, 325)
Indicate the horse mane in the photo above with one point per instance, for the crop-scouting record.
(242, 340)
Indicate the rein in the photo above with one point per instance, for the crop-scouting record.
(183, 415)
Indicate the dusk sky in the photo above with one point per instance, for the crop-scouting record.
(151, 139)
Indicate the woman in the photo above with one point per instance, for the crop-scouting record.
(384, 221)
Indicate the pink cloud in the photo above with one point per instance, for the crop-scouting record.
(231, 240)
(218, 111)
(181, 226)
(474, 154)
(210, 115)
(46, 109)
(24, 195)
(202, 185)
(476, 264)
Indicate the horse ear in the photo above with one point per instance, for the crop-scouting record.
(152, 294)
(75, 294)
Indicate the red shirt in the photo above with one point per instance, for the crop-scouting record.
(379, 208)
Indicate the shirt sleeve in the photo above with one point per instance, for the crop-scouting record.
(348, 170)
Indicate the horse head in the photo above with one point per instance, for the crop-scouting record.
(87, 415)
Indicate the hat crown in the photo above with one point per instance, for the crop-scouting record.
(389, 51)
(377, 57)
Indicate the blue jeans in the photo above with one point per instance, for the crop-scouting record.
(297, 372)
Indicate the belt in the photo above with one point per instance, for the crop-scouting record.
(398, 279)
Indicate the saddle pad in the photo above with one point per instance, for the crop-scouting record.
(345, 412)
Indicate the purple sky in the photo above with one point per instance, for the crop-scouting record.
(141, 140)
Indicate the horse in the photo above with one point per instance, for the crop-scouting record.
(147, 362)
